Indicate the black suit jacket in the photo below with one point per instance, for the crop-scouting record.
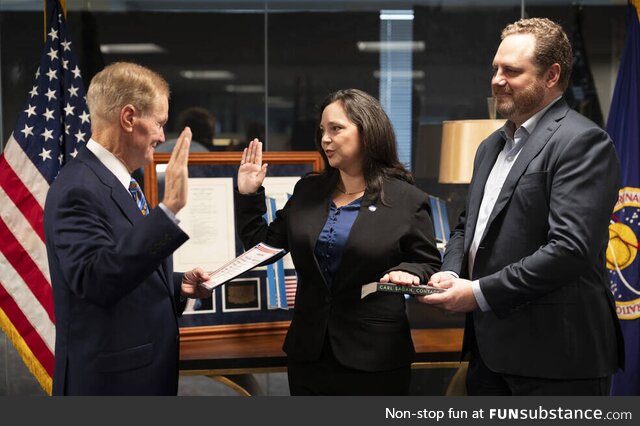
(370, 334)
(115, 296)
(541, 260)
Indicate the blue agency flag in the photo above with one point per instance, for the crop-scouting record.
(622, 260)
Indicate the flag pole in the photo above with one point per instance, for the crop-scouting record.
(63, 4)
(52, 125)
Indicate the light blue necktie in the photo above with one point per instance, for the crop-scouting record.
(137, 194)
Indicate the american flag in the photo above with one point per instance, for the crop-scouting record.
(51, 126)
(291, 285)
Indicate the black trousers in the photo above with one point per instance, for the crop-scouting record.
(483, 381)
(327, 376)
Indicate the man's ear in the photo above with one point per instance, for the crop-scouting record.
(552, 76)
(127, 117)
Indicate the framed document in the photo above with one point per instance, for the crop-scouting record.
(208, 220)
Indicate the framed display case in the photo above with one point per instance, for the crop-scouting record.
(260, 300)
(240, 331)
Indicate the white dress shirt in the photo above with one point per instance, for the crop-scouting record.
(515, 140)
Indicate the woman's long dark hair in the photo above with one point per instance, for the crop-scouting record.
(377, 137)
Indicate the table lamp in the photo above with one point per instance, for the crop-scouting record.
(460, 140)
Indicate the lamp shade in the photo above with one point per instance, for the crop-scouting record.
(460, 140)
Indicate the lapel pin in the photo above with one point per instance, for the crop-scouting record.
(372, 208)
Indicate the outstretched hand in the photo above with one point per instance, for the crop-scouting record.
(251, 172)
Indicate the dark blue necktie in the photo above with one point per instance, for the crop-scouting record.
(137, 194)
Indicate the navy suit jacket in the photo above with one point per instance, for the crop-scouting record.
(370, 334)
(116, 298)
(541, 259)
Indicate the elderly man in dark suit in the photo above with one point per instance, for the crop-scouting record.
(527, 260)
(116, 298)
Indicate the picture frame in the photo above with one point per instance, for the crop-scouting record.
(241, 295)
(232, 158)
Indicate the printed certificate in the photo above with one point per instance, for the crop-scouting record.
(208, 220)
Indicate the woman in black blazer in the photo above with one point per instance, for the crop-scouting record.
(359, 221)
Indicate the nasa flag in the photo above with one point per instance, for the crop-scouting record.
(623, 263)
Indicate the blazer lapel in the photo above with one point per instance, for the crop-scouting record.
(485, 161)
(543, 131)
(317, 211)
(121, 197)
(119, 194)
(364, 223)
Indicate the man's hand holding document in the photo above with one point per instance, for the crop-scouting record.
(256, 256)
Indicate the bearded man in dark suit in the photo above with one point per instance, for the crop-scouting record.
(527, 259)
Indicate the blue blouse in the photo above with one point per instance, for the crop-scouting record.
(333, 237)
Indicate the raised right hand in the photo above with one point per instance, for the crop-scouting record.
(251, 172)
(176, 176)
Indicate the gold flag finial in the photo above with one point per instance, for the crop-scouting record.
(63, 4)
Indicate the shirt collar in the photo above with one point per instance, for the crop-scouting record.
(111, 162)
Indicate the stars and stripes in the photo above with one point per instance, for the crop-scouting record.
(291, 285)
(51, 126)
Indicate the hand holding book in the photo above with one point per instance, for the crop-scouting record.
(416, 290)
(399, 282)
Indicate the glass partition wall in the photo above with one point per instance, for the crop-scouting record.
(261, 68)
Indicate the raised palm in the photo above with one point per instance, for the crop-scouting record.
(251, 172)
